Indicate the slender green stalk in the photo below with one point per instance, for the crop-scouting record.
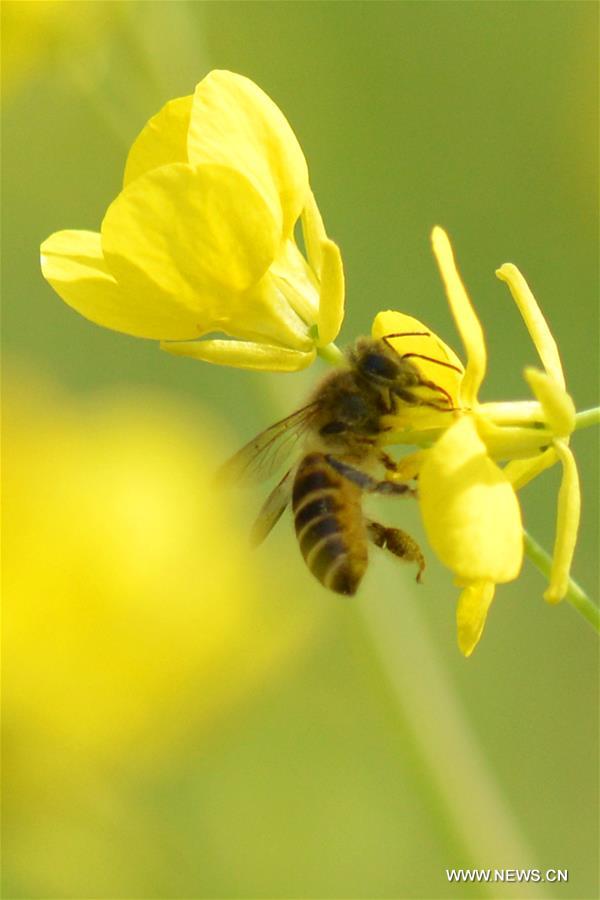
(587, 417)
(575, 595)
(451, 756)
(331, 354)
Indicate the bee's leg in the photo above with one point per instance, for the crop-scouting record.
(392, 404)
(397, 542)
(364, 481)
(405, 469)
(386, 460)
(445, 406)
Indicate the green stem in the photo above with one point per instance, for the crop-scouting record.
(433, 714)
(575, 595)
(587, 417)
(331, 354)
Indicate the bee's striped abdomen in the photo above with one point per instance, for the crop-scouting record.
(329, 525)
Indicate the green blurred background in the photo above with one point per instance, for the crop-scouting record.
(358, 755)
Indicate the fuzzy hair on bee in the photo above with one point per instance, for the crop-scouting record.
(339, 461)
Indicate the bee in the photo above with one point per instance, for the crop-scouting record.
(341, 460)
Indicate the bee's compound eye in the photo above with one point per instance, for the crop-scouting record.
(378, 366)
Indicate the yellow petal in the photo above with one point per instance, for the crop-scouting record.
(298, 281)
(190, 238)
(569, 507)
(318, 300)
(236, 124)
(73, 263)
(163, 140)
(507, 442)
(242, 355)
(264, 315)
(469, 508)
(559, 409)
(331, 306)
(521, 471)
(473, 606)
(435, 360)
(419, 425)
(313, 231)
(534, 320)
(465, 317)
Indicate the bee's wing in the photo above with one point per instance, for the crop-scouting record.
(272, 509)
(268, 450)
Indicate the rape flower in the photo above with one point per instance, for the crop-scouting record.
(125, 622)
(468, 501)
(130, 636)
(201, 239)
(37, 33)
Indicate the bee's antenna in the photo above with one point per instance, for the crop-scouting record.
(432, 359)
(387, 337)
(441, 390)
(430, 384)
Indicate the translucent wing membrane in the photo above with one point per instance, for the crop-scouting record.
(272, 509)
(267, 451)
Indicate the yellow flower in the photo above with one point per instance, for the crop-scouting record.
(200, 241)
(468, 501)
(36, 34)
(130, 637)
(125, 622)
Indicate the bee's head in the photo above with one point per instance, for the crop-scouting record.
(379, 364)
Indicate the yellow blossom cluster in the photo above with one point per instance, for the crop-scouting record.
(201, 241)
(477, 455)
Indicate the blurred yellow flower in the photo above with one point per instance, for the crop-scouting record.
(201, 238)
(468, 501)
(128, 632)
(36, 33)
(125, 621)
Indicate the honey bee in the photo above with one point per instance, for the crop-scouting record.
(341, 459)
